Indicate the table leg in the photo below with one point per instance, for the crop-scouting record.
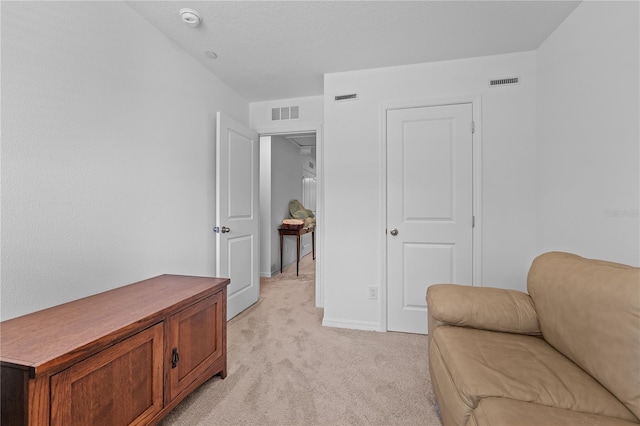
(297, 254)
(281, 238)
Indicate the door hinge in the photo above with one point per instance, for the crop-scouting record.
(473, 126)
(473, 221)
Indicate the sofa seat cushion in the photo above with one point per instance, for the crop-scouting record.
(468, 365)
(509, 412)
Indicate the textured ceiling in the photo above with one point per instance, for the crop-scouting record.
(281, 49)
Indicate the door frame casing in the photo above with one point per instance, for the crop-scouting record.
(293, 128)
(476, 231)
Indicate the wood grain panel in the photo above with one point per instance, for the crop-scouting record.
(119, 386)
(195, 335)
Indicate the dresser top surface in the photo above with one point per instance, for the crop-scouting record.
(49, 336)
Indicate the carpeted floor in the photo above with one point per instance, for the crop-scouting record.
(284, 368)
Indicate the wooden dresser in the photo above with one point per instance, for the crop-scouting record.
(125, 356)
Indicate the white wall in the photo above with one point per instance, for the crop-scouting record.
(353, 178)
(108, 134)
(588, 134)
(266, 232)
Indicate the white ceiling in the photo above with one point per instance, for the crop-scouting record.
(281, 49)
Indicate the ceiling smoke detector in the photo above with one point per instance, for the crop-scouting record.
(190, 17)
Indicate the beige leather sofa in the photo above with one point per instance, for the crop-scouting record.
(567, 353)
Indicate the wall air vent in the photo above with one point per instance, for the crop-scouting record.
(285, 113)
(349, 97)
(504, 81)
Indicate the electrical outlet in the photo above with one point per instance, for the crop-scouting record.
(373, 293)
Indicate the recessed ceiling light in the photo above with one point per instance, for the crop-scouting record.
(190, 17)
(211, 55)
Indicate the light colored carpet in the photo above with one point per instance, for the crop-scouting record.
(284, 368)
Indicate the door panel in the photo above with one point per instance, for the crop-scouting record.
(237, 210)
(429, 203)
(240, 171)
(196, 336)
(427, 169)
(240, 249)
(435, 261)
(120, 385)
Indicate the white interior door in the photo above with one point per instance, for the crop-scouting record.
(237, 212)
(429, 207)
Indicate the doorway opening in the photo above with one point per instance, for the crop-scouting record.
(288, 171)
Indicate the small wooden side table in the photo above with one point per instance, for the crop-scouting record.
(297, 233)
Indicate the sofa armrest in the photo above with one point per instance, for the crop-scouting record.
(486, 308)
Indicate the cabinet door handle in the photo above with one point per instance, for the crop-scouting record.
(174, 358)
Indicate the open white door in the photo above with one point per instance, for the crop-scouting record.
(237, 212)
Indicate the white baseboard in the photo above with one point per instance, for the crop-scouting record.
(284, 266)
(353, 325)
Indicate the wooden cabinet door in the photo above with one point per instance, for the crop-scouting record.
(120, 385)
(196, 342)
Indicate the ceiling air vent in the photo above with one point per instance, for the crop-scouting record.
(285, 113)
(504, 81)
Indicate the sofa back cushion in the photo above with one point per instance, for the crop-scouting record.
(589, 310)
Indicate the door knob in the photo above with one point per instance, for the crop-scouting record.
(225, 230)
(393, 232)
